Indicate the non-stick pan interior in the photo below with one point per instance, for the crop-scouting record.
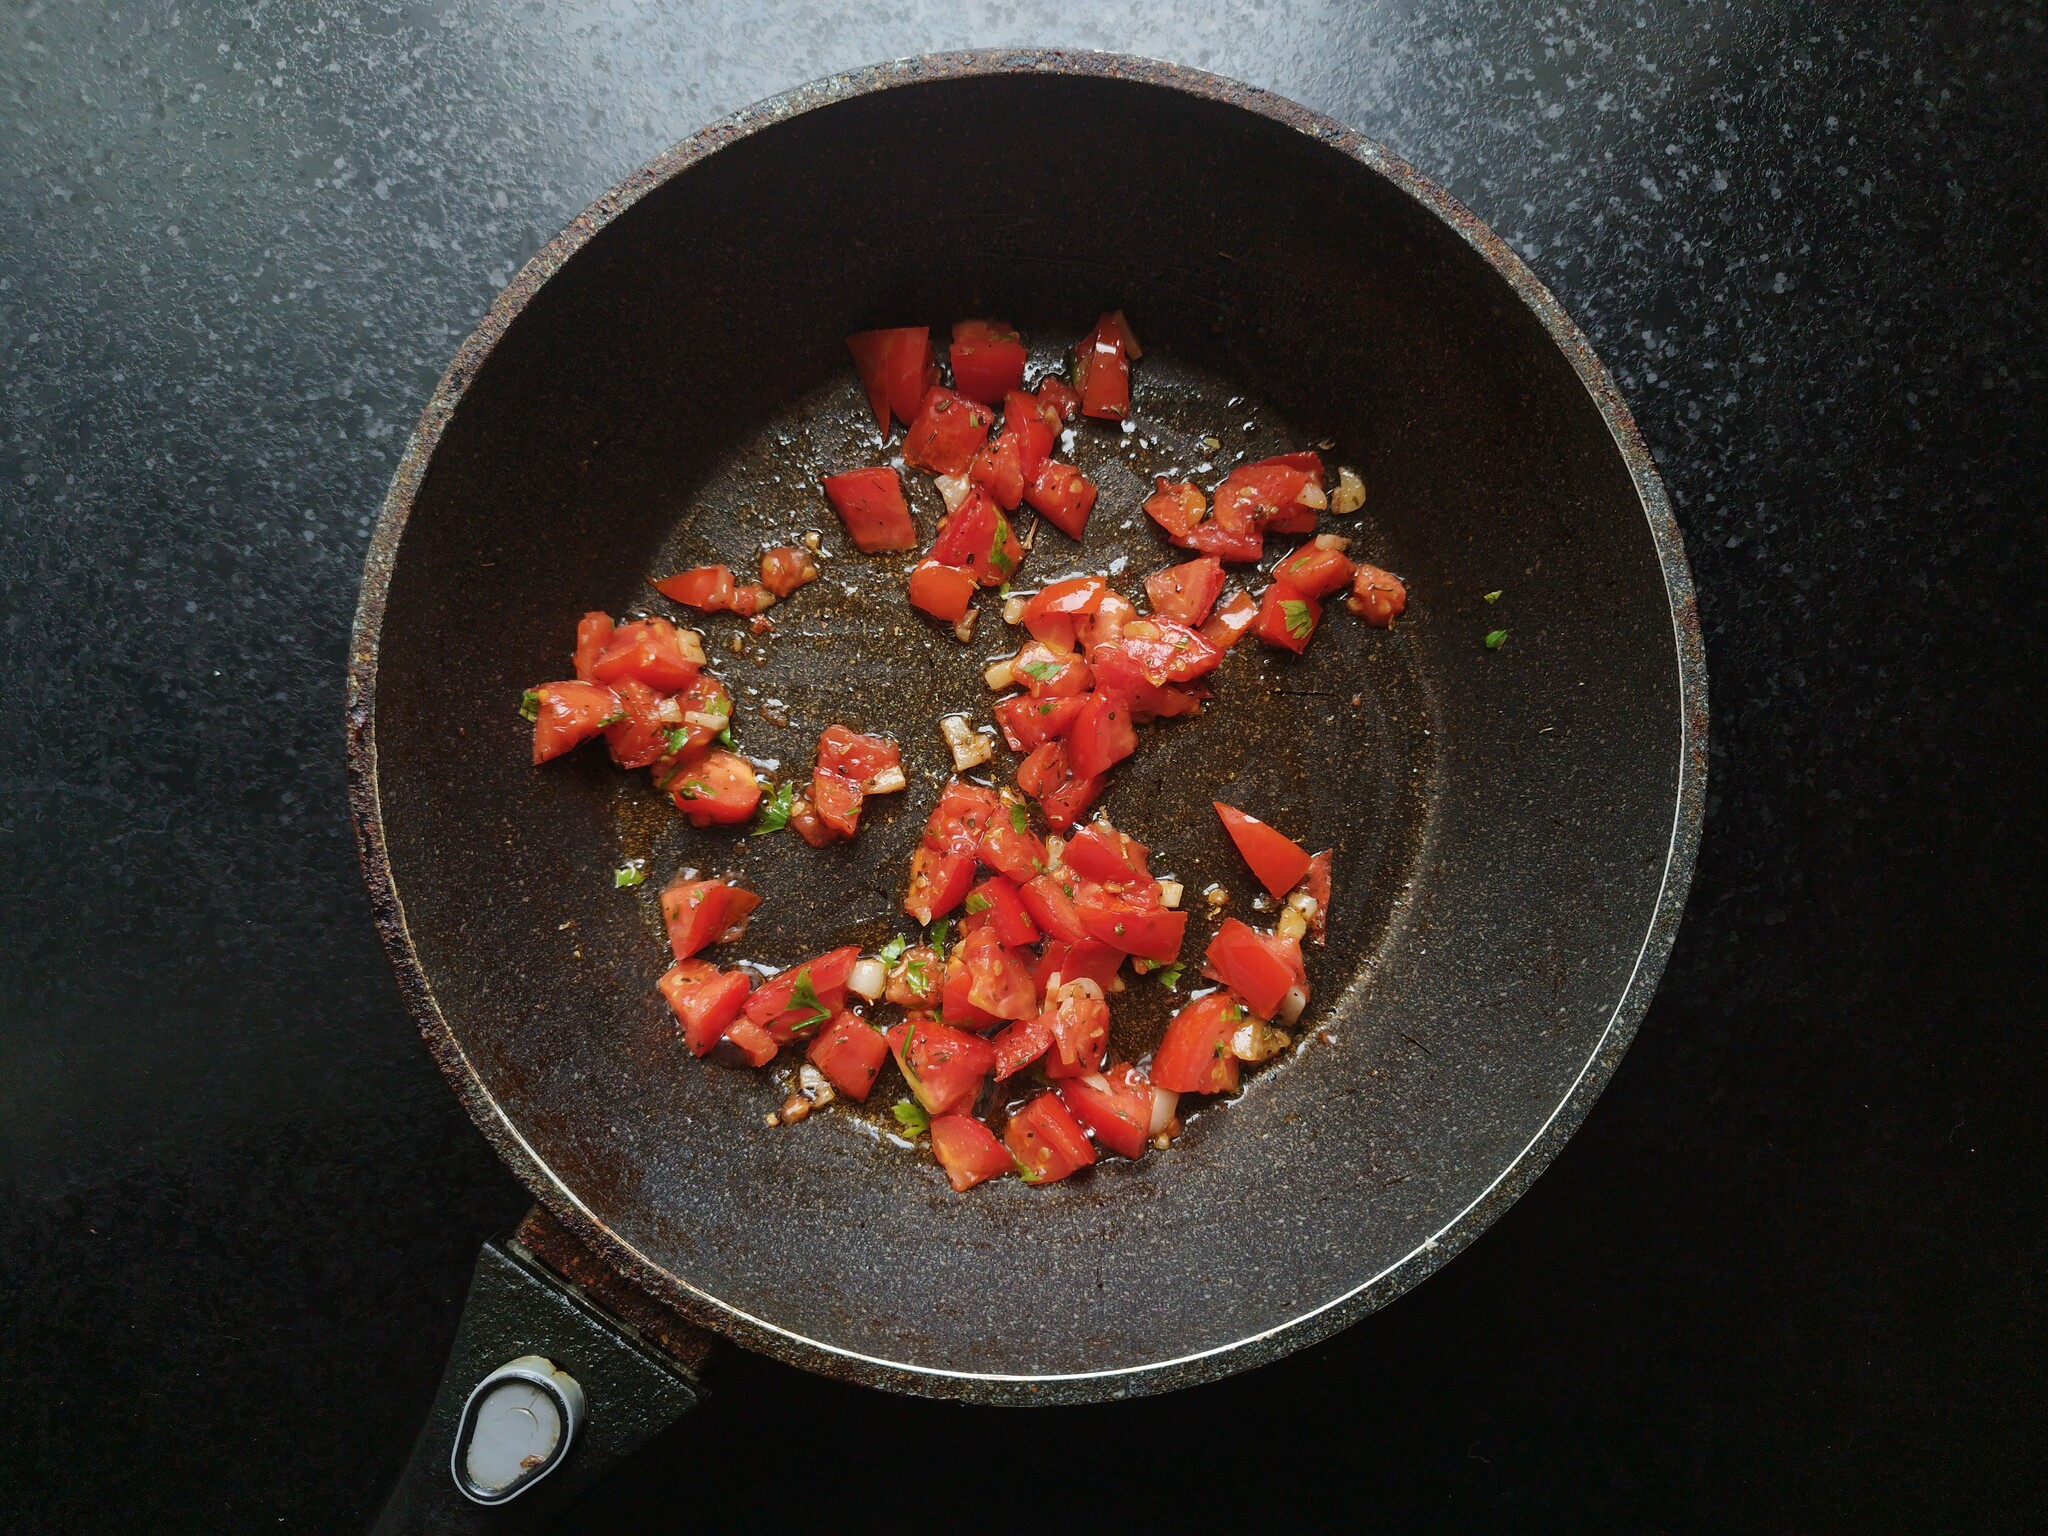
(1504, 818)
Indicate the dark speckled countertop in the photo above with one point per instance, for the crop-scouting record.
(1790, 1274)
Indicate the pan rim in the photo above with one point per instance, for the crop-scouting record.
(1269, 1343)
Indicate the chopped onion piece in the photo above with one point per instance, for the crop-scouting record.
(1170, 893)
(887, 782)
(1292, 1004)
(697, 717)
(1350, 494)
(954, 488)
(1164, 1103)
(1086, 985)
(669, 712)
(1303, 903)
(970, 749)
(1312, 496)
(1141, 629)
(815, 1085)
(999, 677)
(693, 645)
(868, 977)
(1292, 924)
(1055, 853)
(813, 539)
(964, 630)
(1013, 609)
(1335, 541)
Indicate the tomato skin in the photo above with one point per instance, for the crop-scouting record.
(1287, 618)
(1133, 923)
(948, 432)
(836, 800)
(719, 789)
(640, 737)
(1116, 1106)
(857, 756)
(987, 358)
(968, 1151)
(1102, 735)
(1185, 593)
(773, 1005)
(956, 1001)
(1316, 886)
(1027, 722)
(1027, 420)
(1194, 1054)
(1101, 853)
(1177, 506)
(1377, 596)
(977, 538)
(943, 591)
(939, 882)
(1018, 1045)
(1070, 962)
(1060, 395)
(999, 470)
(999, 983)
(1018, 856)
(870, 503)
(1048, 1141)
(709, 587)
(1102, 372)
(593, 634)
(699, 913)
(998, 904)
(1063, 496)
(652, 651)
(961, 818)
(1314, 571)
(849, 1052)
(943, 1065)
(1046, 673)
(895, 368)
(1277, 859)
(1259, 967)
(1230, 621)
(569, 714)
(705, 1001)
(1052, 908)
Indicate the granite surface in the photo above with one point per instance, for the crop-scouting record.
(1788, 1276)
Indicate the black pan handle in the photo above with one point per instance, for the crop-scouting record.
(627, 1393)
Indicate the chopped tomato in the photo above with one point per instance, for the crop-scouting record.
(1194, 1055)
(654, 651)
(569, 714)
(1060, 395)
(1080, 1030)
(915, 981)
(870, 503)
(750, 599)
(805, 821)
(1090, 958)
(708, 587)
(1277, 859)
(999, 470)
(1377, 596)
(1116, 328)
(964, 813)
(1120, 671)
(943, 1065)
(836, 801)
(754, 1042)
(997, 904)
(1166, 703)
(705, 1001)
(1259, 967)
(943, 591)
(1010, 850)
(1050, 615)
(787, 567)
(939, 882)
(1116, 1105)
(1029, 722)
(1033, 425)
(977, 538)
(705, 698)
(641, 734)
(1185, 593)
(699, 913)
(1133, 922)
(1105, 626)
(1047, 673)
(948, 432)
(1102, 372)
(1162, 651)
(593, 634)
(1234, 544)
(1230, 621)
(860, 758)
(998, 981)
(806, 995)
(1099, 852)
(1069, 803)
(1018, 1045)
(1252, 499)
(1287, 618)
(1063, 795)
(1047, 1141)
(1316, 886)
(967, 1149)
(719, 789)
(895, 367)
(1315, 569)
(1101, 735)
(1063, 496)
(956, 1001)
(1301, 516)
(1051, 906)
(1176, 506)
(987, 358)
(849, 1051)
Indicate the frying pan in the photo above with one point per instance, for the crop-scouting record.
(1515, 826)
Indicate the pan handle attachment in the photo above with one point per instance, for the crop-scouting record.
(545, 1392)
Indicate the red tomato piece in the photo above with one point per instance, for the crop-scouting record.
(1301, 516)
(835, 801)
(708, 587)
(870, 503)
(1163, 651)
(1377, 596)
(1051, 906)
(1194, 1055)
(1116, 328)
(593, 634)
(1185, 593)
(808, 994)
(987, 358)
(1099, 852)
(1047, 1141)
(752, 598)
(915, 981)
(1316, 886)
(1253, 495)
(1070, 802)
(1277, 859)
(1134, 923)
(1287, 618)
(896, 368)
(1046, 673)
(997, 904)
(1080, 1031)
(707, 699)
(1018, 1045)
(1063, 796)
(1061, 396)
(964, 813)
(1116, 1105)
(699, 913)
(787, 567)
(1315, 570)
(999, 470)
(1012, 851)
(977, 538)
(1102, 735)
(956, 1002)
(1176, 506)
(569, 714)
(943, 1065)
(1105, 626)
(943, 591)
(1033, 425)
(1063, 496)
(1259, 967)
(1051, 613)
(998, 981)
(705, 1000)
(1029, 722)
(1089, 958)
(1230, 621)
(948, 432)
(805, 821)
(641, 735)
(718, 789)
(849, 1051)
(653, 650)
(859, 757)
(1102, 372)
(753, 1042)
(939, 882)
(1233, 544)
(968, 1151)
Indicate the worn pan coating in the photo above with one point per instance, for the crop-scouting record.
(1515, 827)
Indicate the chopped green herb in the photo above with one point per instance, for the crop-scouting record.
(724, 736)
(1003, 590)
(1300, 622)
(693, 789)
(914, 973)
(1494, 595)
(935, 936)
(774, 813)
(998, 555)
(1044, 671)
(1025, 1172)
(892, 951)
(529, 704)
(979, 901)
(805, 996)
(1020, 819)
(1045, 708)
(1495, 639)
(626, 876)
(1170, 975)
(679, 738)
(1234, 1012)
(611, 719)
(911, 1116)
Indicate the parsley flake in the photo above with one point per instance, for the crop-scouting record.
(1044, 671)
(805, 996)
(1300, 622)
(979, 901)
(1495, 639)
(1170, 976)
(529, 704)
(935, 936)
(1025, 1171)
(774, 813)
(1020, 819)
(998, 554)
(679, 738)
(892, 951)
(911, 1116)
(1493, 596)
(626, 876)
